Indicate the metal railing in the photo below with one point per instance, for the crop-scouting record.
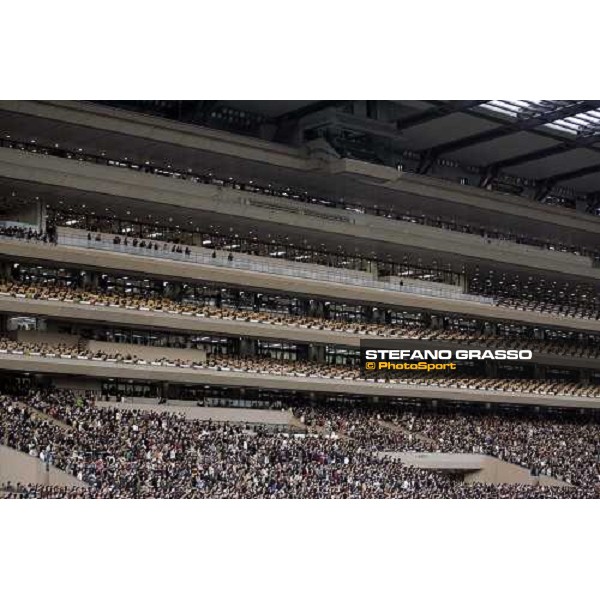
(255, 264)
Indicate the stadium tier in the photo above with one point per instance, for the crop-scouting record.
(184, 311)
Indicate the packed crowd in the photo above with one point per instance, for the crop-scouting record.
(392, 213)
(59, 350)
(418, 484)
(552, 445)
(562, 445)
(116, 298)
(263, 365)
(121, 453)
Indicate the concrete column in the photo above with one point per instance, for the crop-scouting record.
(491, 368)
(373, 268)
(91, 279)
(303, 351)
(175, 290)
(436, 322)
(5, 270)
(379, 315)
(317, 308)
(316, 353)
(43, 215)
(248, 346)
(490, 329)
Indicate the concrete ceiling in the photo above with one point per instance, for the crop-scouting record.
(432, 124)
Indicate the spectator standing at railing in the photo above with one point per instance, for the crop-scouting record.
(52, 233)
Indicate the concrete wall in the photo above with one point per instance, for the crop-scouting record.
(466, 196)
(206, 413)
(124, 183)
(84, 384)
(44, 337)
(497, 471)
(477, 468)
(18, 467)
(147, 352)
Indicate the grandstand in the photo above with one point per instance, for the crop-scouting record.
(185, 288)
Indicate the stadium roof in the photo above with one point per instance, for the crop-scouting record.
(548, 143)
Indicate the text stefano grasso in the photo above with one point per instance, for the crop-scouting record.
(457, 354)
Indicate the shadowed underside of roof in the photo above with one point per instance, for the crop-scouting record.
(541, 144)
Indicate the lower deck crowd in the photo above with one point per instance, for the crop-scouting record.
(336, 451)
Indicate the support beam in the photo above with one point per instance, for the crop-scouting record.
(542, 190)
(566, 146)
(574, 174)
(488, 177)
(425, 164)
(514, 127)
(441, 110)
(309, 109)
(545, 185)
(593, 202)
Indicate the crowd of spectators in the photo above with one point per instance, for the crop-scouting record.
(419, 485)
(142, 244)
(563, 445)
(24, 233)
(116, 298)
(122, 453)
(263, 365)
